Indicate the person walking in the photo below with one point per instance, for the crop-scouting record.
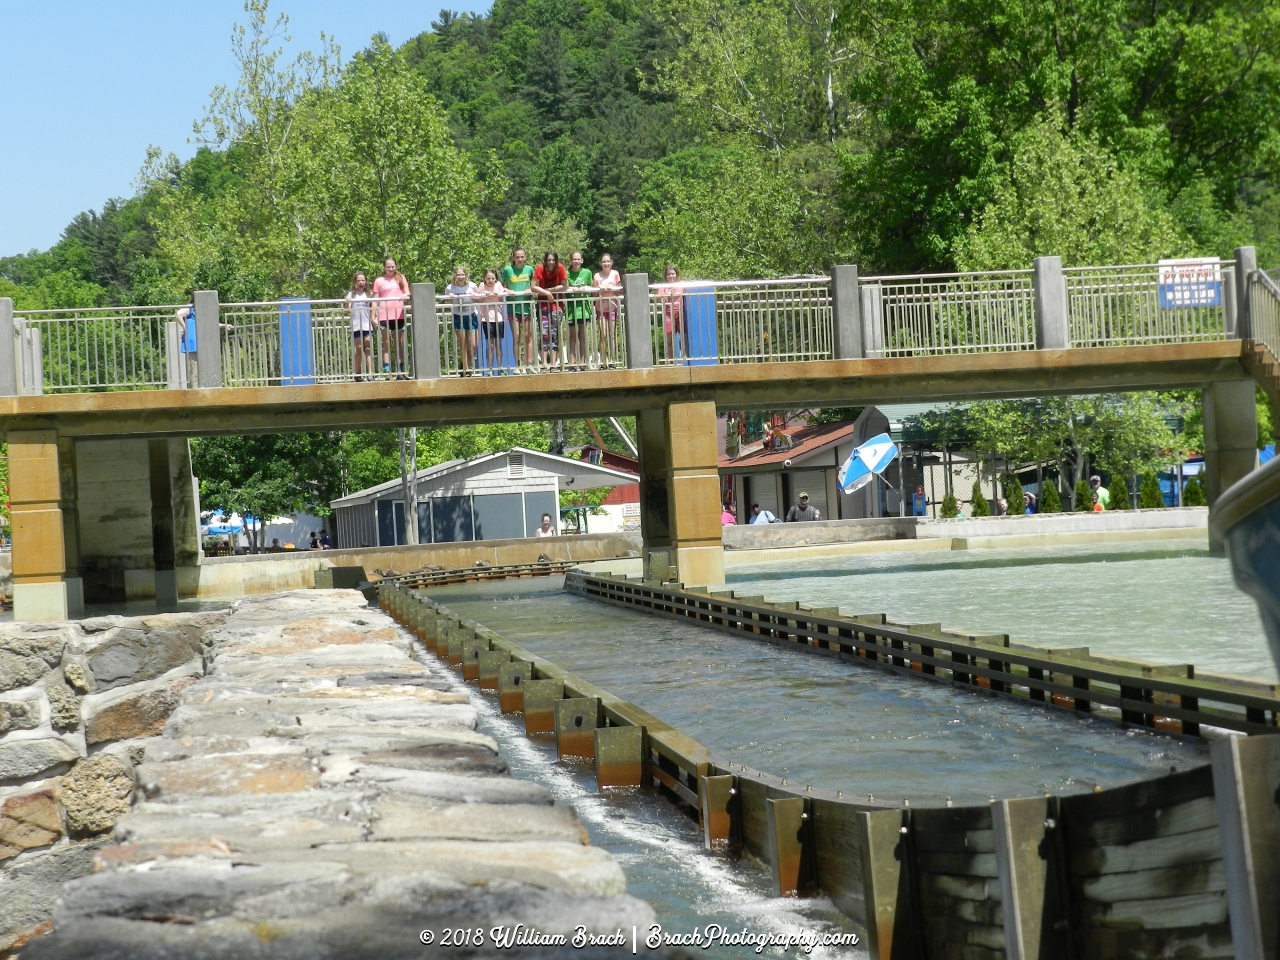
(466, 319)
(577, 311)
(609, 284)
(802, 512)
(550, 279)
(761, 516)
(492, 319)
(517, 277)
(391, 290)
(727, 518)
(358, 307)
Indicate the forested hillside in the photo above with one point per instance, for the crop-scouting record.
(735, 137)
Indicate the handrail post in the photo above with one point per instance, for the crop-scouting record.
(1053, 331)
(846, 313)
(426, 334)
(1246, 264)
(8, 355)
(208, 340)
(635, 301)
(1230, 315)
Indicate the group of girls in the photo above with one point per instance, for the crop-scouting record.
(542, 301)
(381, 305)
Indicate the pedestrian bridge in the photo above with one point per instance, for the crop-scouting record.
(668, 353)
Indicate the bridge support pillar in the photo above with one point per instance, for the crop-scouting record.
(39, 558)
(68, 474)
(1230, 436)
(680, 494)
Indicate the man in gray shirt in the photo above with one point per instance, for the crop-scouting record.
(802, 510)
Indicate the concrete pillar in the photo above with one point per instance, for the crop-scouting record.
(1246, 262)
(162, 526)
(8, 355)
(680, 494)
(36, 521)
(67, 503)
(1230, 319)
(208, 340)
(426, 331)
(186, 515)
(870, 306)
(635, 304)
(1230, 434)
(1053, 331)
(846, 313)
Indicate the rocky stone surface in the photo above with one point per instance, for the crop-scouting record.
(19, 715)
(321, 793)
(29, 821)
(26, 759)
(64, 706)
(96, 794)
(140, 714)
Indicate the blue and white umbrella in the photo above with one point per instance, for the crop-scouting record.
(219, 525)
(867, 461)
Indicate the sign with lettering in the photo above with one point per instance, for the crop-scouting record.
(1192, 282)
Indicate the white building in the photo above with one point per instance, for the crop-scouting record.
(497, 496)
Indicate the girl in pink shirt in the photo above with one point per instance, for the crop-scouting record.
(671, 294)
(610, 286)
(391, 290)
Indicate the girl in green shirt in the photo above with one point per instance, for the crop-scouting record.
(578, 311)
(517, 276)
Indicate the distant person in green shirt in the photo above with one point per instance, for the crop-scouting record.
(577, 311)
(1104, 495)
(517, 276)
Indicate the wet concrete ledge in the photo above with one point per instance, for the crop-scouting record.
(319, 792)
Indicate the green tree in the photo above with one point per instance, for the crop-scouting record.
(1149, 495)
(1013, 494)
(979, 507)
(267, 475)
(1193, 494)
(1063, 193)
(539, 231)
(949, 509)
(1119, 490)
(1050, 502)
(1082, 502)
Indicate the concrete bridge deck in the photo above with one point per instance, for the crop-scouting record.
(350, 406)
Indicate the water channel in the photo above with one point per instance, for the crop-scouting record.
(841, 726)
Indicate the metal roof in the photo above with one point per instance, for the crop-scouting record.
(585, 475)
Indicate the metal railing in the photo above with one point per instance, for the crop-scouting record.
(741, 321)
(298, 342)
(583, 328)
(949, 313)
(1115, 306)
(1264, 311)
(96, 349)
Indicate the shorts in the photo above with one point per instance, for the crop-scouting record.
(518, 314)
(396, 324)
(578, 319)
(493, 329)
(361, 334)
(466, 321)
(551, 328)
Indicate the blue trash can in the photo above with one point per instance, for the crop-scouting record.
(701, 346)
(297, 349)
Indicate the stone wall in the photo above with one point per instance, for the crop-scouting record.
(75, 701)
(318, 791)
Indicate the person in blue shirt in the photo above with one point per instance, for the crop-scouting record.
(761, 516)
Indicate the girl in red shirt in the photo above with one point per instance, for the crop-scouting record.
(550, 278)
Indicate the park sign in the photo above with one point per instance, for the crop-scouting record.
(1191, 282)
(867, 461)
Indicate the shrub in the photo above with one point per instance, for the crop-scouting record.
(1149, 495)
(1119, 494)
(1013, 494)
(949, 509)
(980, 506)
(1084, 499)
(1193, 494)
(1050, 502)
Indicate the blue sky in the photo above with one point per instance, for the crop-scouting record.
(88, 85)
